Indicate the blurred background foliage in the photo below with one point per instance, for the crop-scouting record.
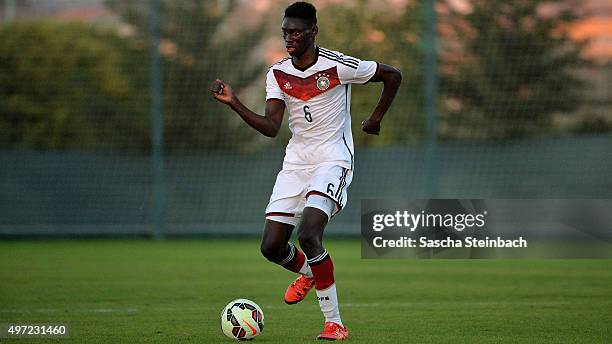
(506, 70)
(195, 55)
(523, 108)
(372, 32)
(68, 85)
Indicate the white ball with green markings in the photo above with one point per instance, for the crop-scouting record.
(242, 319)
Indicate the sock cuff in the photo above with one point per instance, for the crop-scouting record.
(321, 258)
(290, 255)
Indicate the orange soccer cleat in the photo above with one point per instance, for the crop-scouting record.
(298, 289)
(333, 331)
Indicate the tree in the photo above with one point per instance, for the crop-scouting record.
(506, 68)
(389, 33)
(65, 86)
(198, 50)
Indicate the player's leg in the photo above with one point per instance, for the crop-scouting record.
(326, 196)
(277, 248)
(310, 235)
(282, 215)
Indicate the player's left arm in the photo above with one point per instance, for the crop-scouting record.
(391, 78)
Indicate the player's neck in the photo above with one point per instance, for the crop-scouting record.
(307, 59)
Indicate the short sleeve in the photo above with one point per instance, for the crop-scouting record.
(273, 91)
(355, 71)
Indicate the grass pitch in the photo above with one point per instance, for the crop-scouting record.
(174, 291)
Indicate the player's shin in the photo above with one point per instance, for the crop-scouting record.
(323, 271)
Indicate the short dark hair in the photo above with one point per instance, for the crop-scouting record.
(302, 10)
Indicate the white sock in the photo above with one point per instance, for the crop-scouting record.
(328, 301)
(305, 270)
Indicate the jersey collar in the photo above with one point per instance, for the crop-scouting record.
(310, 65)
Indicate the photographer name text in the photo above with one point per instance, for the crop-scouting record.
(410, 222)
(424, 242)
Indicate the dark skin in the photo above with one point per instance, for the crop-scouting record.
(299, 36)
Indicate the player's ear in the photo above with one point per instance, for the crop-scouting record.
(315, 30)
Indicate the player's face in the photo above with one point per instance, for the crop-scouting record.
(299, 35)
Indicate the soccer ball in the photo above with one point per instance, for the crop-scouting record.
(242, 319)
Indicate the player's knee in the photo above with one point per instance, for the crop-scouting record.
(270, 251)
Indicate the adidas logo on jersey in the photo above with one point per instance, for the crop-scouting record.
(287, 86)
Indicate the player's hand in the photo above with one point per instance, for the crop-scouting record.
(222, 92)
(371, 126)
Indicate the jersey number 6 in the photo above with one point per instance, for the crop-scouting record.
(307, 114)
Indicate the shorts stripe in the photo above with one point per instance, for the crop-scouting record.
(342, 182)
(280, 214)
(342, 190)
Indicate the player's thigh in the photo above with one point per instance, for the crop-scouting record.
(313, 223)
(310, 231)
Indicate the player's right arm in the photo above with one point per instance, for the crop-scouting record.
(268, 125)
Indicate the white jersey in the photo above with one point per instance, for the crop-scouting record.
(318, 101)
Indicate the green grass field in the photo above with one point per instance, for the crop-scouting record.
(174, 291)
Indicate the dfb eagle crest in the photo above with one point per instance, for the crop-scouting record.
(323, 82)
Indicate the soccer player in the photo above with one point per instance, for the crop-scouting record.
(314, 84)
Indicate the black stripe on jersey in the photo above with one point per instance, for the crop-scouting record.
(336, 60)
(347, 147)
(343, 58)
(281, 61)
(351, 64)
(346, 60)
(346, 102)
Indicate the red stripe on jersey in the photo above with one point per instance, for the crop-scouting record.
(306, 88)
